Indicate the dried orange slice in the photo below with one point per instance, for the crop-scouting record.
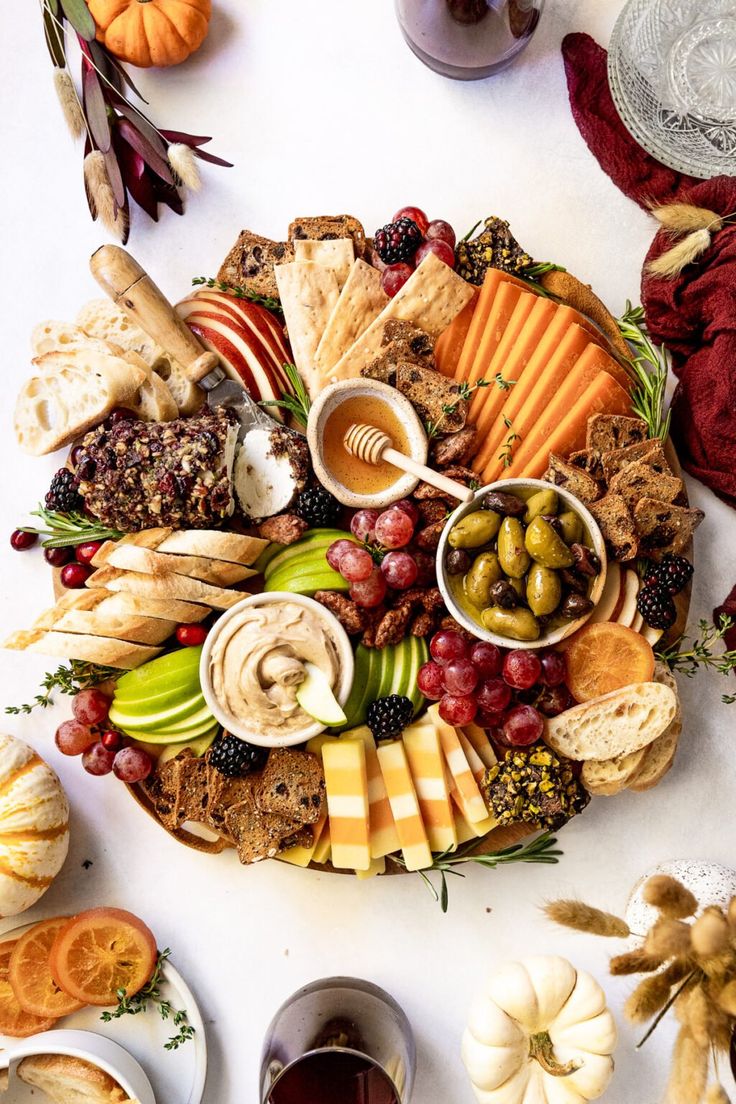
(604, 657)
(6, 949)
(102, 951)
(13, 1020)
(30, 976)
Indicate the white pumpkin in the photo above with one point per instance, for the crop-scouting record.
(34, 826)
(540, 1034)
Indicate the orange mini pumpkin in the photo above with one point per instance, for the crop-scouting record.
(151, 32)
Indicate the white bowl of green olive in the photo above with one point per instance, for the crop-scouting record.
(522, 565)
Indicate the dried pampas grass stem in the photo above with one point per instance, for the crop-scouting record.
(681, 218)
(635, 962)
(668, 938)
(585, 918)
(710, 933)
(99, 190)
(687, 251)
(184, 165)
(689, 1071)
(716, 1094)
(70, 105)
(670, 897)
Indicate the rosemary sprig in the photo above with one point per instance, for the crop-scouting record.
(689, 656)
(67, 679)
(506, 455)
(239, 292)
(539, 850)
(299, 403)
(63, 530)
(151, 994)
(651, 366)
(465, 392)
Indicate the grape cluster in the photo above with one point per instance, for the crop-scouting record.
(506, 692)
(405, 242)
(386, 533)
(102, 750)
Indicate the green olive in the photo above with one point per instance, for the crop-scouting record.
(474, 529)
(543, 590)
(512, 554)
(543, 502)
(485, 571)
(572, 527)
(545, 546)
(519, 586)
(518, 624)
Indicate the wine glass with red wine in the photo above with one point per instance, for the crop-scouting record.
(338, 1041)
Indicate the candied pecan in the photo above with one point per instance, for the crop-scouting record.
(283, 529)
(429, 537)
(432, 510)
(393, 625)
(461, 474)
(423, 624)
(456, 448)
(345, 610)
(426, 490)
(449, 624)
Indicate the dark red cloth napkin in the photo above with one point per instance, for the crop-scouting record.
(693, 315)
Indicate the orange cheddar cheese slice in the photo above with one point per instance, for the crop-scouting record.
(322, 850)
(302, 855)
(346, 785)
(469, 796)
(404, 805)
(502, 311)
(449, 344)
(493, 280)
(383, 835)
(478, 738)
(427, 766)
(475, 762)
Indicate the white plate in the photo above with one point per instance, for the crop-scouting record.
(176, 1075)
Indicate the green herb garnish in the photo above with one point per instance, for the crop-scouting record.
(67, 679)
(506, 455)
(64, 530)
(651, 367)
(150, 994)
(689, 656)
(465, 392)
(239, 293)
(299, 403)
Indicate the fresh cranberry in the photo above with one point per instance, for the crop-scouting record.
(75, 455)
(85, 553)
(75, 575)
(57, 557)
(20, 540)
(112, 739)
(191, 636)
(416, 214)
(121, 414)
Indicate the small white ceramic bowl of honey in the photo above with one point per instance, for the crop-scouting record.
(352, 481)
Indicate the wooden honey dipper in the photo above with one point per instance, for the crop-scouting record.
(371, 445)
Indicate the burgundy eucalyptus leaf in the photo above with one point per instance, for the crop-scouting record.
(143, 125)
(136, 177)
(101, 59)
(185, 139)
(212, 159)
(54, 39)
(126, 78)
(153, 159)
(116, 178)
(169, 195)
(95, 109)
(79, 16)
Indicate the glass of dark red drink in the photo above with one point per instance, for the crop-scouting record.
(338, 1041)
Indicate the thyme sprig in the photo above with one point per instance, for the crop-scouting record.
(239, 292)
(688, 656)
(62, 530)
(506, 455)
(151, 994)
(299, 403)
(67, 679)
(651, 367)
(465, 392)
(539, 850)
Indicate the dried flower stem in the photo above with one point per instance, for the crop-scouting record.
(668, 938)
(710, 933)
(71, 107)
(670, 897)
(585, 918)
(635, 962)
(663, 1011)
(689, 1071)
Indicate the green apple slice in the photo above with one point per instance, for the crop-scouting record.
(313, 542)
(160, 674)
(205, 729)
(197, 747)
(122, 717)
(308, 582)
(316, 698)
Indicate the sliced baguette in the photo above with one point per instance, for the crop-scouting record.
(130, 557)
(615, 724)
(164, 586)
(59, 337)
(91, 649)
(153, 402)
(139, 630)
(122, 604)
(606, 777)
(234, 547)
(71, 392)
(660, 755)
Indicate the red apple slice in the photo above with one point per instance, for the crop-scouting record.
(250, 315)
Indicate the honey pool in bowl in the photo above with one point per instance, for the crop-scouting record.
(355, 474)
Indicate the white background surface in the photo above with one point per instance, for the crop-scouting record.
(324, 109)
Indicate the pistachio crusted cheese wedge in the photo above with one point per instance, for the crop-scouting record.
(535, 786)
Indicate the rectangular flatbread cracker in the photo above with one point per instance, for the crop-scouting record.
(431, 298)
(308, 293)
(360, 303)
(335, 253)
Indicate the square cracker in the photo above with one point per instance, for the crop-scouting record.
(335, 253)
(308, 293)
(431, 298)
(361, 301)
(292, 785)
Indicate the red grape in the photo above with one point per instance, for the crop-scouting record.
(21, 541)
(440, 248)
(57, 557)
(335, 551)
(356, 564)
(487, 659)
(369, 592)
(91, 707)
(439, 230)
(554, 668)
(85, 553)
(132, 764)
(521, 669)
(394, 528)
(394, 277)
(494, 695)
(461, 677)
(523, 725)
(457, 709)
(363, 525)
(446, 646)
(112, 739)
(554, 700)
(191, 636)
(415, 214)
(489, 721)
(72, 738)
(400, 570)
(75, 575)
(98, 759)
(409, 509)
(430, 681)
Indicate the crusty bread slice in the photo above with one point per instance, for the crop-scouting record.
(71, 392)
(139, 630)
(122, 604)
(615, 724)
(68, 1080)
(234, 547)
(660, 755)
(92, 649)
(606, 777)
(60, 337)
(153, 402)
(130, 557)
(164, 586)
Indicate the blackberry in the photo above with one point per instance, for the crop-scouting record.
(63, 496)
(397, 241)
(655, 605)
(673, 573)
(234, 758)
(318, 508)
(388, 717)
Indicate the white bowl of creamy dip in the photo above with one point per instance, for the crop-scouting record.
(254, 660)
